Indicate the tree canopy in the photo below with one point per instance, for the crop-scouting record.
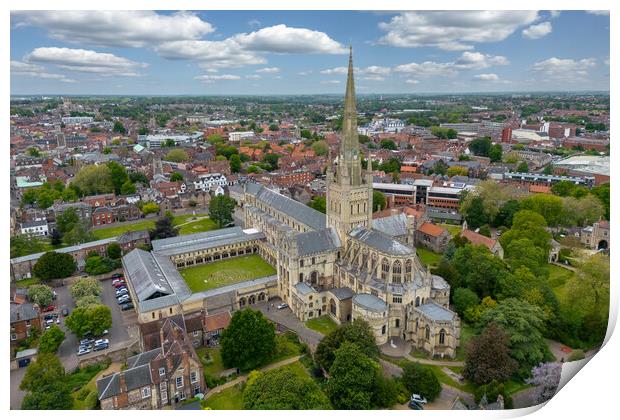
(40, 294)
(357, 332)
(54, 265)
(51, 339)
(421, 380)
(164, 228)
(221, 209)
(94, 179)
(89, 319)
(177, 155)
(249, 341)
(488, 357)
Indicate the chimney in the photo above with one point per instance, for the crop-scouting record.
(121, 380)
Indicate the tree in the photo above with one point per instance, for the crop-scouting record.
(50, 396)
(352, 379)
(283, 389)
(138, 177)
(581, 212)
(79, 234)
(524, 324)
(114, 251)
(485, 230)
(249, 341)
(388, 144)
(89, 319)
(421, 380)
(440, 167)
(318, 203)
(357, 332)
(96, 265)
(87, 300)
(51, 340)
(523, 252)
(177, 155)
(118, 174)
(476, 215)
(86, 286)
(320, 148)
(378, 200)
(45, 370)
(548, 206)
(94, 179)
(25, 245)
(546, 377)
(480, 146)
(273, 127)
(55, 238)
(128, 188)
(602, 192)
(176, 177)
(235, 163)
(67, 220)
(523, 167)
(150, 207)
(271, 159)
(487, 357)
(495, 153)
(464, 298)
(530, 225)
(221, 209)
(119, 127)
(457, 170)
(478, 269)
(54, 265)
(164, 228)
(506, 212)
(40, 294)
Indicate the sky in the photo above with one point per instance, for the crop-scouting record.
(305, 52)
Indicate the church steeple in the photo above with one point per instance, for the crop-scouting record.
(349, 165)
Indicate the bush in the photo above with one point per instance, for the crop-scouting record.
(575, 355)
(421, 380)
(464, 298)
(492, 390)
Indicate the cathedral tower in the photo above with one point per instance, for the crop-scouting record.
(349, 187)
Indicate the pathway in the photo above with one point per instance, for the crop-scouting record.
(243, 378)
(568, 267)
(434, 362)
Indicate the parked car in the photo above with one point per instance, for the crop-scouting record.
(105, 332)
(49, 321)
(100, 347)
(54, 295)
(86, 341)
(121, 292)
(415, 406)
(49, 308)
(64, 311)
(416, 398)
(83, 351)
(117, 281)
(57, 320)
(117, 276)
(126, 306)
(124, 299)
(102, 341)
(119, 285)
(283, 305)
(48, 316)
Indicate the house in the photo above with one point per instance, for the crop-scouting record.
(24, 317)
(213, 325)
(477, 239)
(125, 212)
(433, 237)
(164, 376)
(35, 228)
(102, 216)
(100, 200)
(133, 239)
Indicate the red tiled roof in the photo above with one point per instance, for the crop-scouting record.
(217, 321)
(478, 239)
(543, 189)
(431, 229)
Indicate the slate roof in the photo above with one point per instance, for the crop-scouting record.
(395, 225)
(370, 302)
(436, 312)
(136, 377)
(304, 289)
(342, 293)
(439, 283)
(23, 312)
(33, 224)
(66, 250)
(143, 358)
(294, 209)
(204, 240)
(146, 277)
(380, 241)
(317, 241)
(133, 235)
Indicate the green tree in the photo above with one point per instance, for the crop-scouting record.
(221, 209)
(114, 251)
(118, 174)
(249, 341)
(421, 380)
(94, 319)
(353, 374)
(388, 144)
(320, 148)
(177, 155)
(54, 265)
(523, 252)
(128, 188)
(119, 127)
(463, 299)
(271, 159)
(581, 212)
(479, 270)
(51, 339)
(25, 245)
(164, 228)
(235, 163)
(79, 234)
(480, 146)
(476, 214)
(524, 324)
(487, 356)
(50, 396)
(94, 179)
(548, 206)
(274, 127)
(138, 177)
(283, 389)
(176, 177)
(529, 225)
(357, 332)
(318, 203)
(67, 220)
(506, 212)
(523, 167)
(149, 208)
(40, 294)
(602, 192)
(87, 300)
(378, 200)
(457, 170)
(45, 370)
(86, 286)
(96, 265)
(495, 153)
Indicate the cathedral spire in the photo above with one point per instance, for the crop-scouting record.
(349, 164)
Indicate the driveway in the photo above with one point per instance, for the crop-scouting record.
(286, 318)
(17, 395)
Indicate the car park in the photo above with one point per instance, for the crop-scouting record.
(124, 299)
(86, 341)
(283, 305)
(121, 292)
(100, 347)
(102, 341)
(416, 398)
(83, 351)
(119, 285)
(126, 306)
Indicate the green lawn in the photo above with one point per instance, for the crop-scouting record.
(287, 346)
(452, 229)
(196, 226)
(85, 397)
(229, 399)
(225, 272)
(467, 332)
(323, 324)
(25, 283)
(428, 257)
(211, 360)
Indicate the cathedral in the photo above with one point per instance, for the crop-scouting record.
(346, 265)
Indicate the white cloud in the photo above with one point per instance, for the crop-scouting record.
(598, 12)
(117, 28)
(376, 70)
(453, 30)
(86, 61)
(210, 54)
(335, 70)
(371, 70)
(412, 81)
(211, 78)
(330, 82)
(253, 77)
(268, 70)
(475, 60)
(554, 13)
(254, 23)
(305, 73)
(565, 70)
(374, 78)
(284, 39)
(487, 77)
(19, 68)
(537, 31)
(427, 69)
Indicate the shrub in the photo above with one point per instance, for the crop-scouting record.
(421, 380)
(575, 355)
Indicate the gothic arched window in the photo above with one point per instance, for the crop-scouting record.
(442, 336)
(396, 272)
(385, 268)
(427, 333)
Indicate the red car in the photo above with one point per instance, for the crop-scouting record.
(49, 308)
(119, 285)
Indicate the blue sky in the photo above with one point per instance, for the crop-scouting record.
(295, 52)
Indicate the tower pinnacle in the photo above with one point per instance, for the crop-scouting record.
(349, 160)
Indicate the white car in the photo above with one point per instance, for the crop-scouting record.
(102, 341)
(416, 398)
(283, 305)
(82, 351)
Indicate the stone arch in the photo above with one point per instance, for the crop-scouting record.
(396, 272)
(301, 277)
(427, 332)
(385, 268)
(333, 308)
(242, 302)
(442, 336)
(602, 244)
(252, 300)
(417, 301)
(314, 277)
(408, 267)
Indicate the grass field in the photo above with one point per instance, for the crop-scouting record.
(229, 399)
(211, 360)
(323, 324)
(225, 272)
(558, 279)
(27, 282)
(428, 257)
(187, 227)
(453, 229)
